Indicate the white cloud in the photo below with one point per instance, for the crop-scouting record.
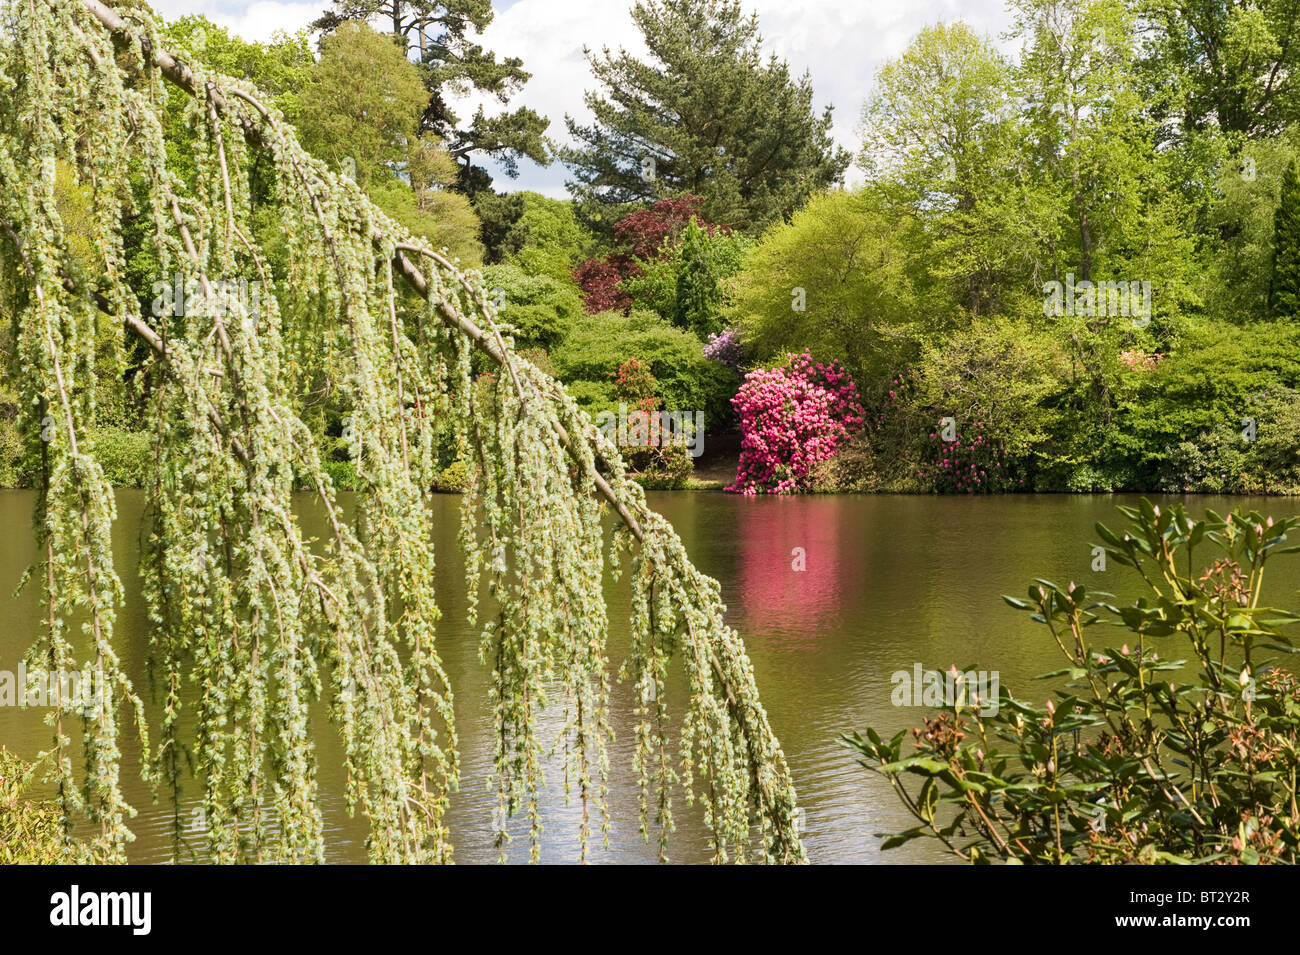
(841, 44)
(257, 20)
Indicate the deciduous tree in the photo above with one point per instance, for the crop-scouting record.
(440, 35)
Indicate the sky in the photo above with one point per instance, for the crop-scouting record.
(841, 43)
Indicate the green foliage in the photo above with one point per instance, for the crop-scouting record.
(360, 112)
(507, 137)
(592, 396)
(342, 474)
(11, 453)
(1217, 378)
(753, 147)
(598, 344)
(691, 282)
(1179, 745)
(945, 98)
(1245, 198)
(11, 441)
(539, 307)
(444, 219)
(281, 68)
(31, 830)
(1023, 172)
(987, 379)
(453, 479)
(363, 102)
(239, 598)
(988, 178)
(657, 456)
(440, 35)
(1256, 451)
(125, 456)
(940, 127)
(498, 215)
(634, 381)
(655, 288)
(670, 471)
(834, 279)
(553, 242)
(697, 296)
(1284, 287)
(542, 236)
(855, 469)
(1000, 383)
(1225, 65)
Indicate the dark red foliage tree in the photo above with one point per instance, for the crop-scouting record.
(601, 282)
(642, 233)
(638, 235)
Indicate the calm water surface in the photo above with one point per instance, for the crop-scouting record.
(889, 582)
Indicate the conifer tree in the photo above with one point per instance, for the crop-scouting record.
(698, 296)
(1284, 289)
(707, 114)
(276, 635)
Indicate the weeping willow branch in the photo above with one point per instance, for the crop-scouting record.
(259, 622)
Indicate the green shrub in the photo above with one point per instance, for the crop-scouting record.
(995, 380)
(1175, 425)
(343, 475)
(126, 456)
(11, 454)
(666, 479)
(1174, 740)
(598, 344)
(452, 479)
(553, 242)
(691, 285)
(835, 280)
(853, 469)
(540, 358)
(540, 308)
(447, 220)
(31, 830)
(593, 397)
(1256, 454)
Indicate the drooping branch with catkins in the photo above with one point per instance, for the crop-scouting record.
(252, 623)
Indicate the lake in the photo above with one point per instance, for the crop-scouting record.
(889, 582)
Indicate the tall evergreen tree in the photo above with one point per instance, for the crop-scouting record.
(1284, 289)
(698, 295)
(707, 114)
(441, 34)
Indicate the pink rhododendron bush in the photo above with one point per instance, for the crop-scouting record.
(791, 417)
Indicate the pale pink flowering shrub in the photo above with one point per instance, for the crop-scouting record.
(791, 417)
(1138, 360)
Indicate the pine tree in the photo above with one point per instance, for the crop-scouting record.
(707, 115)
(1284, 288)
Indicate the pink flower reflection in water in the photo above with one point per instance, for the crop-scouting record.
(778, 603)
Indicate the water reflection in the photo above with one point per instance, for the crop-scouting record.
(888, 582)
